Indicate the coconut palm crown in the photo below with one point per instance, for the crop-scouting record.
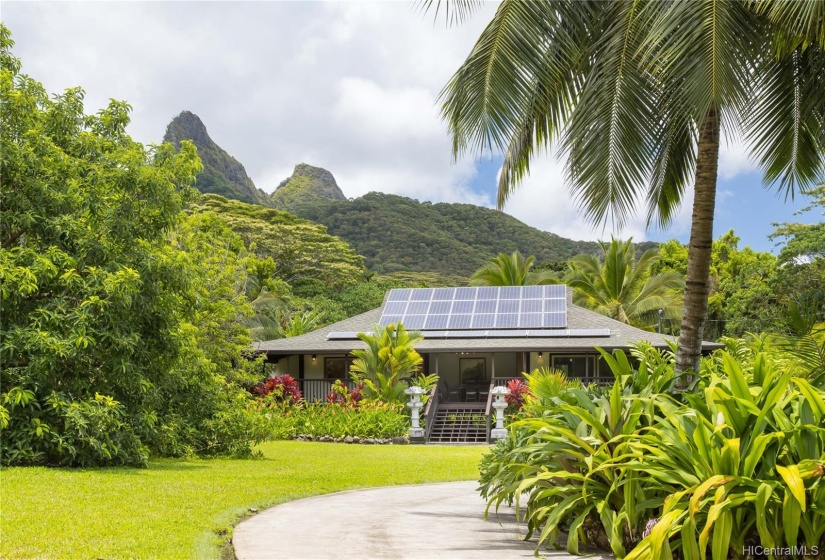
(622, 287)
(636, 94)
(511, 270)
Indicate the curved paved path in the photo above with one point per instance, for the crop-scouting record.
(394, 522)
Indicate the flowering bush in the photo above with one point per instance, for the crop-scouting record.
(518, 391)
(281, 387)
(341, 394)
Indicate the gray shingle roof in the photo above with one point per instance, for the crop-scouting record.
(621, 336)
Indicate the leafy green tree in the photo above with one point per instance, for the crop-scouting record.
(749, 290)
(511, 270)
(115, 341)
(388, 359)
(803, 242)
(622, 287)
(636, 94)
(306, 256)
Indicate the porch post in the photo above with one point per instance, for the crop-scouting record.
(493, 366)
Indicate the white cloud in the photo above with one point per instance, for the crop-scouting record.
(734, 158)
(544, 201)
(348, 86)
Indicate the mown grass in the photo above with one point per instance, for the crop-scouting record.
(186, 508)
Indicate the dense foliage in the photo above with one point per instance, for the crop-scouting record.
(336, 420)
(120, 328)
(646, 472)
(308, 258)
(395, 233)
(750, 291)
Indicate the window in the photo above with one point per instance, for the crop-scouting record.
(575, 366)
(337, 367)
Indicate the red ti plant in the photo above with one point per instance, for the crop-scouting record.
(282, 387)
(340, 394)
(518, 391)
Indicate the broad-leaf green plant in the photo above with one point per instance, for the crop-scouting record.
(388, 358)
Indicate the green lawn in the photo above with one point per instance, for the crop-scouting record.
(177, 508)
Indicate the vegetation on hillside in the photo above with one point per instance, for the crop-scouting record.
(307, 257)
(395, 233)
(306, 187)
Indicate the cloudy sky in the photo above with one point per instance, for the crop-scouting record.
(348, 86)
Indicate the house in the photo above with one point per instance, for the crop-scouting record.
(474, 338)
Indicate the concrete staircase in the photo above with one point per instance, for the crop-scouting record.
(459, 423)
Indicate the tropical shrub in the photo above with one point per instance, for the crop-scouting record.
(388, 358)
(518, 392)
(544, 387)
(342, 395)
(367, 420)
(281, 388)
(649, 473)
(426, 382)
(121, 314)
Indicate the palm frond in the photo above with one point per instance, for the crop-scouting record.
(785, 122)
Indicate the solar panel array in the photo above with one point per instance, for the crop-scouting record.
(482, 308)
(503, 333)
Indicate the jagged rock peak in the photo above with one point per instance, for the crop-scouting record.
(187, 126)
(322, 182)
(222, 174)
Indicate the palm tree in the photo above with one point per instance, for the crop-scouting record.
(388, 358)
(635, 93)
(511, 270)
(622, 288)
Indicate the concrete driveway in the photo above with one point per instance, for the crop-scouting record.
(395, 522)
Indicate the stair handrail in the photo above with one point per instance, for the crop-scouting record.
(489, 408)
(429, 412)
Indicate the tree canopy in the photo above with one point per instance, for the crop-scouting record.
(109, 327)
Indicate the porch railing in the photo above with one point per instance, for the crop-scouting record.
(316, 390)
(430, 410)
(598, 380)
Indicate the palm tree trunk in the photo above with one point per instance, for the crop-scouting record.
(697, 284)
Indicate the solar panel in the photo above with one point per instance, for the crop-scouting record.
(418, 308)
(485, 307)
(493, 333)
(436, 322)
(400, 295)
(484, 321)
(459, 321)
(443, 294)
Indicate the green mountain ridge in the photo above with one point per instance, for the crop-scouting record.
(400, 234)
(394, 234)
(222, 174)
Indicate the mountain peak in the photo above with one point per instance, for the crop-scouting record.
(187, 126)
(307, 185)
(222, 174)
